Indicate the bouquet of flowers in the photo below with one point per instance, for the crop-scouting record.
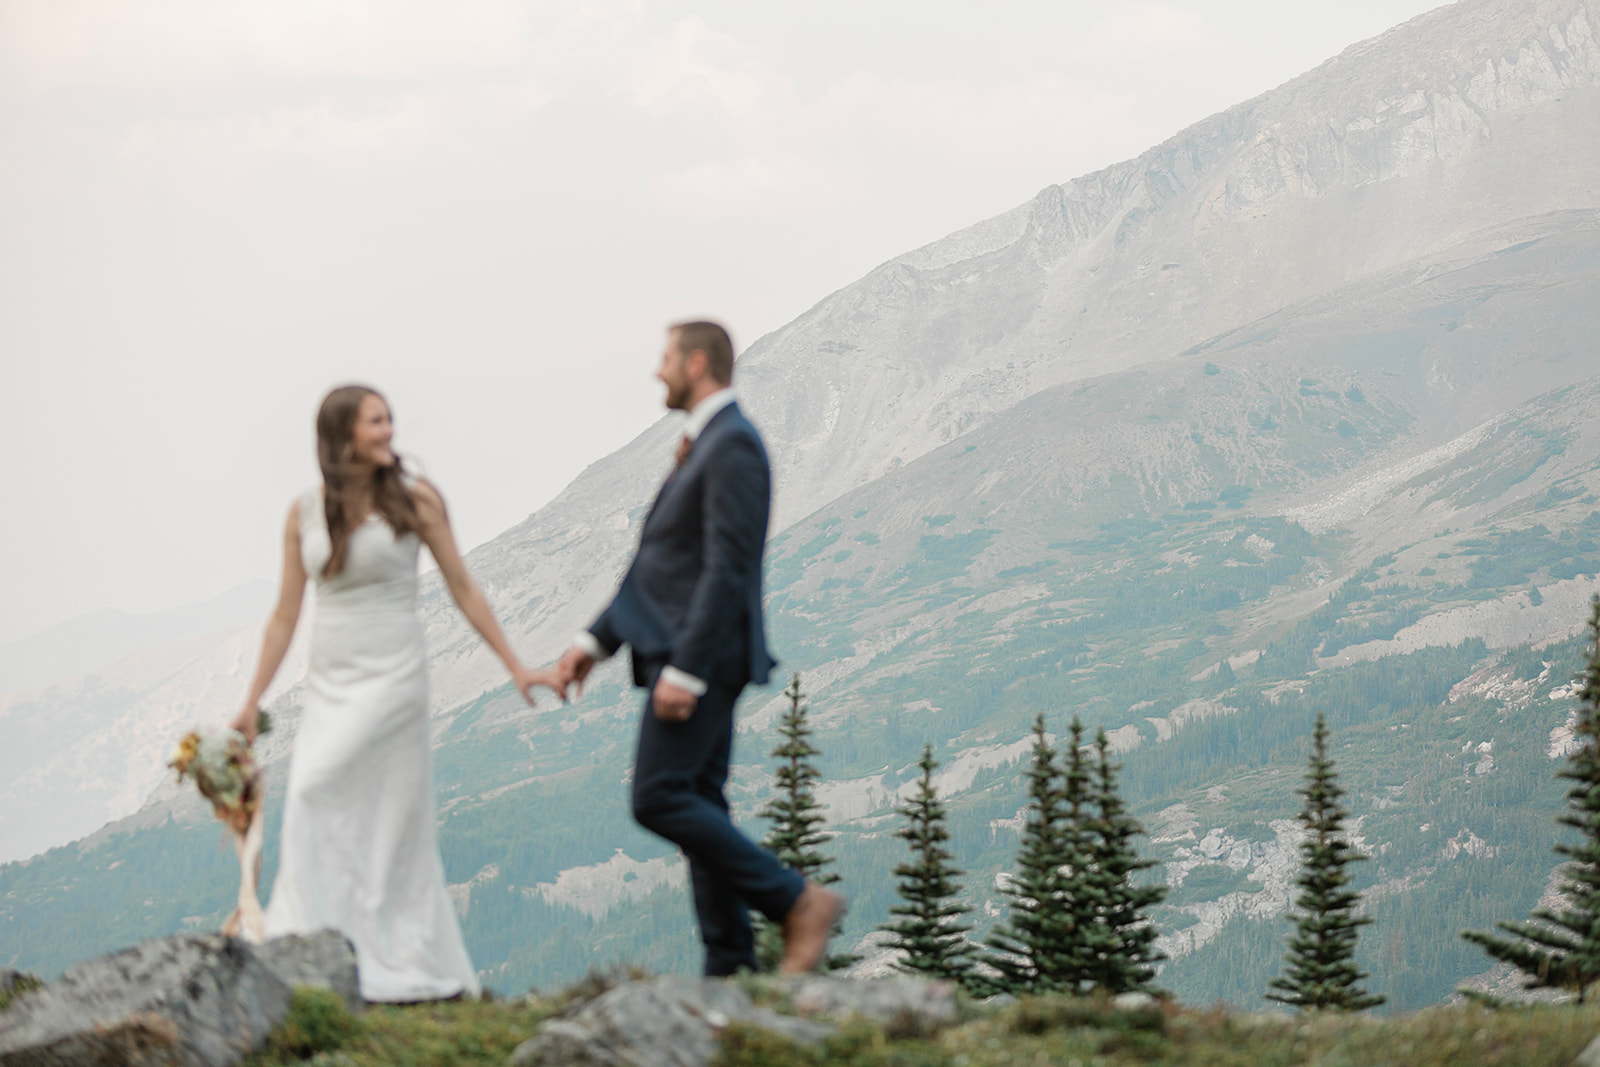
(225, 771)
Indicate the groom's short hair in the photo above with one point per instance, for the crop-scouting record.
(713, 340)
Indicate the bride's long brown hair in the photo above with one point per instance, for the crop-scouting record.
(342, 492)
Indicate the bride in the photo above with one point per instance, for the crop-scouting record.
(358, 851)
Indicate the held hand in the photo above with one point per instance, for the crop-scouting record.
(672, 703)
(572, 670)
(247, 722)
(525, 678)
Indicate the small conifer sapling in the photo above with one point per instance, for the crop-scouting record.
(927, 927)
(1321, 971)
(796, 819)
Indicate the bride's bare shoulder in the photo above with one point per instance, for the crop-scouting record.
(429, 501)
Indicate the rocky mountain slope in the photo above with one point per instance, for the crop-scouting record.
(1459, 121)
(1290, 413)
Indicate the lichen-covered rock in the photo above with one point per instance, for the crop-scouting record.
(663, 1022)
(14, 984)
(325, 959)
(187, 1001)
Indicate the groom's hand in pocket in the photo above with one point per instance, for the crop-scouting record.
(672, 703)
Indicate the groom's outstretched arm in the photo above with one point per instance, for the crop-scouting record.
(599, 642)
(738, 496)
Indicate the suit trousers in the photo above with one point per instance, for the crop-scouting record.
(678, 778)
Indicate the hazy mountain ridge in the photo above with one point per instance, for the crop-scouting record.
(928, 346)
(92, 641)
(1135, 263)
(1077, 283)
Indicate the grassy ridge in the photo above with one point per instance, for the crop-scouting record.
(1054, 1029)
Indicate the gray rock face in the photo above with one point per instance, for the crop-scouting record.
(663, 1022)
(676, 1022)
(192, 1001)
(325, 959)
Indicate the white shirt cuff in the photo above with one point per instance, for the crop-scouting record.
(673, 676)
(586, 642)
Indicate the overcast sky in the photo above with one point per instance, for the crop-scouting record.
(212, 212)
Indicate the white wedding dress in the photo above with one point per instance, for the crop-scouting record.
(358, 852)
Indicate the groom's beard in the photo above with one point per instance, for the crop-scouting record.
(678, 397)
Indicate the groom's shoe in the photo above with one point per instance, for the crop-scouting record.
(808, 926)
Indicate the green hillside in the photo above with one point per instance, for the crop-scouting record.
(1236, 772)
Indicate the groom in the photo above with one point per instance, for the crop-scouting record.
(690, 609)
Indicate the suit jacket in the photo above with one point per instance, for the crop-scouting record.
(692, 596)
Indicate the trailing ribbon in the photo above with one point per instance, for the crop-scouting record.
(247, 920)
(224, 769)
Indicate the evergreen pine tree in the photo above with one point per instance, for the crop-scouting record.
(1038, 948)
(1321, 970)
(1081, 896)
(1559, 948)
(928, 929)
(796, 819)
(1123, 943)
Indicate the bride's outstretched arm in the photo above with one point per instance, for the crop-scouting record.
(280, 627)
(436, 534)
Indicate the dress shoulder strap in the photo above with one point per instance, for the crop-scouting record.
(311, 506)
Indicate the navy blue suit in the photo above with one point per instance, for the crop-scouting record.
(692, 600)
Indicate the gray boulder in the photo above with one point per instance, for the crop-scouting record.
(677, 1022)
(662, 1022)
(188, 1001)
(325, 959)
(1134, 1000)
(913, 1005)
